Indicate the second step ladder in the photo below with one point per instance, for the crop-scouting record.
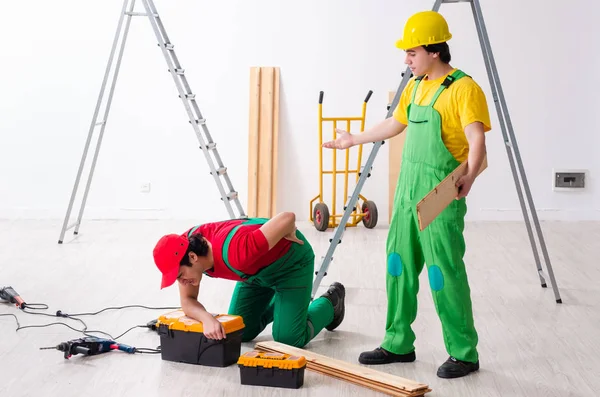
(208, 146)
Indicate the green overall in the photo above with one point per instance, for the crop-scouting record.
(425, 163)
(280, 293)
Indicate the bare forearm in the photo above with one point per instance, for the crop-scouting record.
(386, 129)
(194, 309)
(477, 149)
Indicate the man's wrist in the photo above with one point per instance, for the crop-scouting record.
(353, 139)
(471, 173)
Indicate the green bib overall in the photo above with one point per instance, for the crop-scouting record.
(280, 293)
(425, 163)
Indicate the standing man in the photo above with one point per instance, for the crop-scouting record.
(273, 265)
(447, 116)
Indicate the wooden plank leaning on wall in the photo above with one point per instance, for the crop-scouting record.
(263, 141)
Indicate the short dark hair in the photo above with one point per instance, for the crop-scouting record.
(198, 246)
(442, 48)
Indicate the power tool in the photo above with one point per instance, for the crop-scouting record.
(9, 294)
(90, 346)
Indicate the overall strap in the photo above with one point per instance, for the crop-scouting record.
(457, 74)
(414, 93)
(192, 231)
(250, 221)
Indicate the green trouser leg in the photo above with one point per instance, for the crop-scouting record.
(255, 305)
(404, 264)
(280, 294)
(449, 283)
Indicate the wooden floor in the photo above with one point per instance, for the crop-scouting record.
(529, 345)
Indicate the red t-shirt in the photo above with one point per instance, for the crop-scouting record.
(248, 249)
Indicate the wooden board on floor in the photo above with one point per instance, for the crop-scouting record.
(442, 195)
(395, 160)
(356, 374)
(263, 141)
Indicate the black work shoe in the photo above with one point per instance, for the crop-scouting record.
(336, 294)
(382, 356)
(454, 368)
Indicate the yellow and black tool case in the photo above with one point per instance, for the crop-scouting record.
(182, 340)
(272, 369)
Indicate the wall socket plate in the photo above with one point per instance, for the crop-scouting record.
(568, 179)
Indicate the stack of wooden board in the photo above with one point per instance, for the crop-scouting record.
(263, 141)
(356, 374)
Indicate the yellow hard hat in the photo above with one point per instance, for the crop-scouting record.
(424, 28)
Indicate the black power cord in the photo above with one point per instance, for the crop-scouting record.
(40, 306)
(59, 313)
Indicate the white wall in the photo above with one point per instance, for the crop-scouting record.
(54, 56)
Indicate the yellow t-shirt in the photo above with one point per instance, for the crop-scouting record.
(459, 105)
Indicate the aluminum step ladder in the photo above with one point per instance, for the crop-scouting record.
(208, 146)
(512, 150)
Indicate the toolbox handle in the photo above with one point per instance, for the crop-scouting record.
(368, 96)
(320, 97)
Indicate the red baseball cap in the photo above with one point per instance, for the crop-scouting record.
(167, 255)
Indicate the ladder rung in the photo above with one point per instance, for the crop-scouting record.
(232, 195)
(200, 121)
(221, 171)
(189, 96)
(178, 71)
(362, 169)
(100, 122)
(140, 14)
(169, 47)
(211, 146)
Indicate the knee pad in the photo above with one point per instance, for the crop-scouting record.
(394, 264)
(436, 278)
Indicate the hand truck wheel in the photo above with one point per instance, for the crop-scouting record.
(321, 217)
(369, 210)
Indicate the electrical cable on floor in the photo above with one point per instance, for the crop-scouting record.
(85, 331)
(119, 308)
(16, 319)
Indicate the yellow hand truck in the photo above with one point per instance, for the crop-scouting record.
(319, 213)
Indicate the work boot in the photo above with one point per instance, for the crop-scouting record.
(454, 368)
(382, 356)
(336, 294)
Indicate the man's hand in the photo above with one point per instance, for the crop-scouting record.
(293, 238)
(464, 184)
(345, 141)
(282, 225)
(213, 328)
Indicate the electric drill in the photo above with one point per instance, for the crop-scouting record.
(90, 346)
(9, 294)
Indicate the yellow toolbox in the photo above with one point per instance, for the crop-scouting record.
(182, 340)
(272, 369)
